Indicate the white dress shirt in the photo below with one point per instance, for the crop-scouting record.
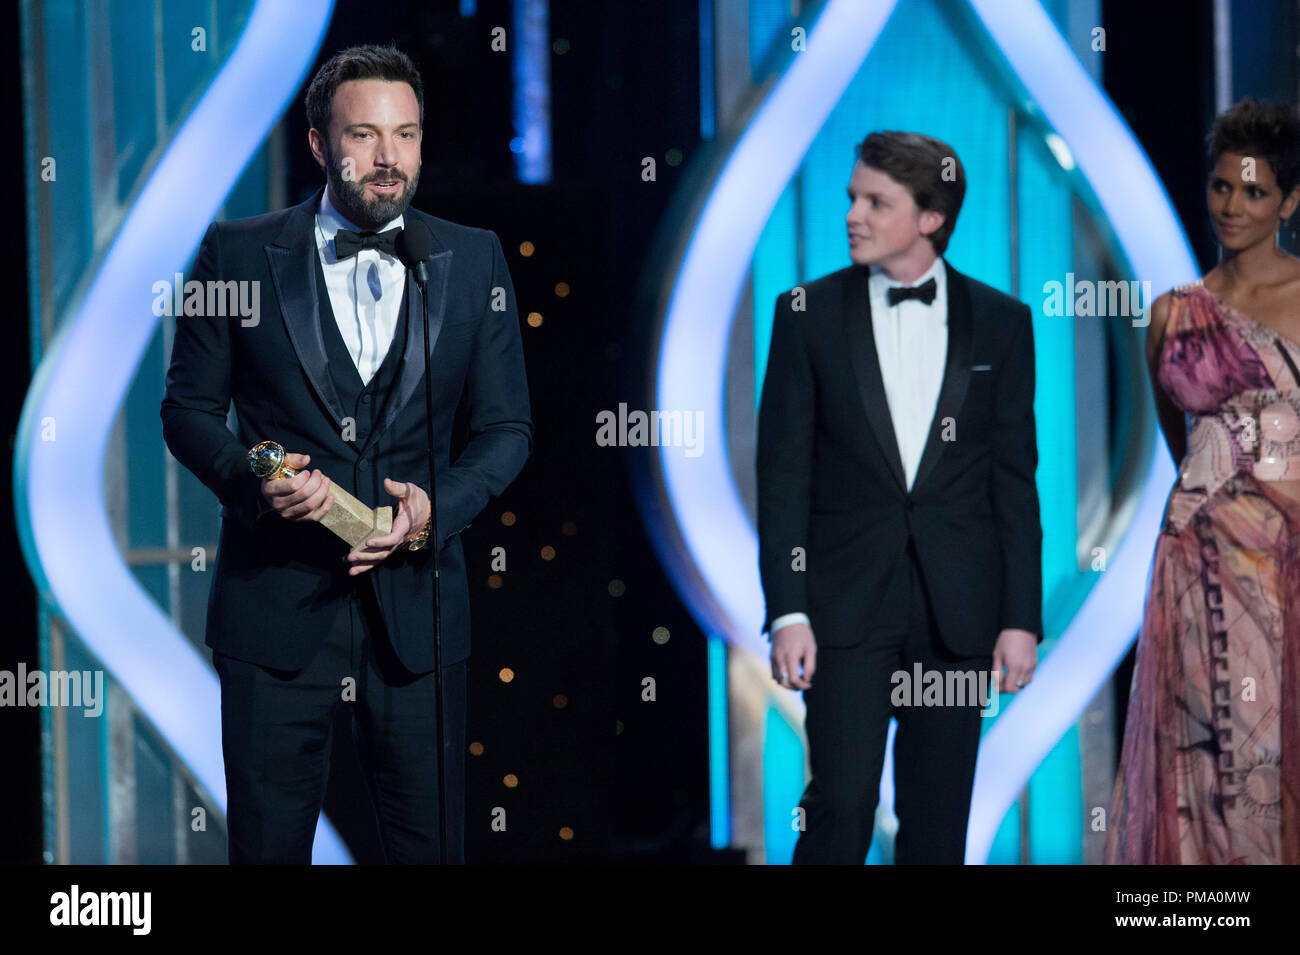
(912, 347)
(365, 290)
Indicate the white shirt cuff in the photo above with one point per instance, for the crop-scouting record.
(786, 619)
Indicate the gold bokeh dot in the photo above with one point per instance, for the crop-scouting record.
(526, 248)
(568, 528)
(506, 674)
(566, 833)
(660, 635)
(494, 581)
(616, 587)
(476, 748)
(548, 552)
(511, 780)
(508, 518)
(535, 319)
(560, 701)
(562, 289)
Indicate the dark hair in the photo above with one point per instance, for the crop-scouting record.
(1264, 130)
(359, 63)
(928, 168)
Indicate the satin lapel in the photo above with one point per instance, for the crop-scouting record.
(866, 368)
(416, 358)
(956, 376)
(292, 258)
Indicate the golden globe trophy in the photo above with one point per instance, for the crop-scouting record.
(348, 518)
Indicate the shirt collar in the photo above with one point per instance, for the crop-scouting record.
(879, 280)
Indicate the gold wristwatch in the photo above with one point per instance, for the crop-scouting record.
(421, 539)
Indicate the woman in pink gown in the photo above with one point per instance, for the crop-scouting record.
(1210, 769)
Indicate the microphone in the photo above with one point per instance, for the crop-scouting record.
(414, 243)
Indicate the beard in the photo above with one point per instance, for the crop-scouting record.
(360, 206)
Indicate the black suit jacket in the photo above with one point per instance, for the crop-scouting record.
(278, 583)
(830, 478)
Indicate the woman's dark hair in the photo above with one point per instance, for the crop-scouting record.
(359, 63)
(928, 168)
(1263, 130)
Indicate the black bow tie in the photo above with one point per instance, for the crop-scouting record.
(923, 292)
(348, 244)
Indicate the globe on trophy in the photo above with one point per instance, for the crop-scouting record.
(348, 518)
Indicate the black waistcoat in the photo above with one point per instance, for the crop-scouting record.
(364, 403)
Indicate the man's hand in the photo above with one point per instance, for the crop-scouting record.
(1017, 650)
(794, 652)
(303, 497)
(409, 515)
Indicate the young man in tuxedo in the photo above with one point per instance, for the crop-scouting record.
(897, 511)
(334, 370)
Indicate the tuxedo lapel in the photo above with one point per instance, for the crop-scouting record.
(861, 337)
(956, 374)
(292, 259)
(866, 368)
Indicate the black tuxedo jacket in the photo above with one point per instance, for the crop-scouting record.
(831, 481)
(278, 583)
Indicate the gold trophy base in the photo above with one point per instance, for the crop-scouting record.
(351, 520)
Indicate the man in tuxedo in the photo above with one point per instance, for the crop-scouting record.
(334, 370)
(897, 511)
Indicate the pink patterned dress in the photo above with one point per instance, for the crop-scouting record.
(1210, 771)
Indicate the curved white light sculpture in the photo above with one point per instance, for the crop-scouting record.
(715, 539)
(87, 371)
(707, 510)
(1147, 229)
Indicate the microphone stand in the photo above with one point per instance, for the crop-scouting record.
(421, 280)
